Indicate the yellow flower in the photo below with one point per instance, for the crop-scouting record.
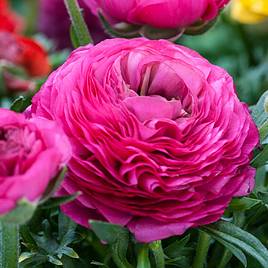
(250, 11)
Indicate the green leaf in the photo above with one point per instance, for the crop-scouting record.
(53, 202)
(33, 261)
(54, 260)
(242, 204)
(263, 196)
(235, 251)
(66, 230)
(46, 243)
(20, 104)
(68, 252)
(25, 255)
(242, 240)
(108, 232)
(119, 251)
(261, 158)
(255, 215)
(53, 185)
(263, 131)
(260, 179)
(258, 111)
(78, 22)
(260, 116)
(179, 253)
(99, 264)
(27, 237)
(117, 237)
(21, 214)
(177, 248)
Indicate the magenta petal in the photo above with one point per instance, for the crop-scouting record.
(147, 230)
(160, 141)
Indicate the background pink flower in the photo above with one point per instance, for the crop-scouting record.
(160, 141)
(31, 154)
(158, 13)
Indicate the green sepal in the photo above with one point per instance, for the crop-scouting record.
(21, 214)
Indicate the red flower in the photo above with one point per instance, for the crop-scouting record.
(33, 57)
(9, 21)
(25, 52)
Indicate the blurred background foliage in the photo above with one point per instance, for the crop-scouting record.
(241, 49)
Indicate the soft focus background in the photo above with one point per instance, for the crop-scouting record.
(242, 49)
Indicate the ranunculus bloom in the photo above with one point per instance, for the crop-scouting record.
(250, 11)
(161, 142)
(9, 21)
(31, 153)
(55, 22)
(158, 13)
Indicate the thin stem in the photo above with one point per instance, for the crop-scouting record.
(247, 43)
(78, 22)
(201, 250)
(143, 257)
(31, 17)
(159, 256)
(9, 245)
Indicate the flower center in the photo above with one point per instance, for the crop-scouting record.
(17, 147)
(155, 91)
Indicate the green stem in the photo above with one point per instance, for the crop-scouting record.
(9, 245)
(78, 22)
(201, 250)
(31, 16)
(159, 256)
(143, 257)
(247, 43)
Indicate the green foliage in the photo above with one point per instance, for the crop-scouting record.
(238, 242)
(21, 214)
(54, 185)
(20, 104)
(49, 245)
(79, 31)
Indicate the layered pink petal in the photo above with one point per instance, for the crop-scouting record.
(31, 154)
(155, 128)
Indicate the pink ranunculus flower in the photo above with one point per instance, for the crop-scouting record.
(161, 143)
(31, 153)
(158, 13)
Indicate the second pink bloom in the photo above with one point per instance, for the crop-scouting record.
(158, 13)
